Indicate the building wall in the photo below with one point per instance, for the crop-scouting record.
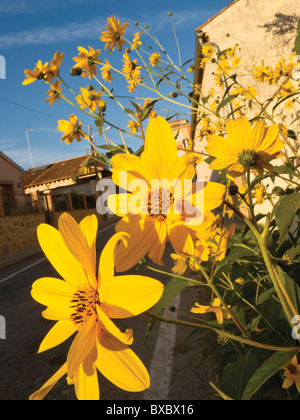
(18, 233)
(11, 175)
(264, 31)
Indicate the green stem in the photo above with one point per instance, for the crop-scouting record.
(210, 284)
(192, 281)
(221, 332)
(261, 240)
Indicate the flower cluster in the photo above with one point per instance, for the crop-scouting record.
(222, 239)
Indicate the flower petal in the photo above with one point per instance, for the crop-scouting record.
(239, 132)
(107, 259)
(46, 388)
(181, 239)
(120, 365)
(126, 338)
(86, 379)
(130, 164)
(77, 244)
(118, 203)
(89, 228)
(59, 255)
(81, 346)
(160, 153)
(142, 238)
(127, 296)
(52, 292)
(157, 250)
(61, 331)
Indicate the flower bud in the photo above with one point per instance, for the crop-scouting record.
(76, 72)
(102, 105)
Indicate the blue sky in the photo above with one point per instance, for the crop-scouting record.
(33, 30)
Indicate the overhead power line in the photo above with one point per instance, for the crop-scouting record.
(28, 108)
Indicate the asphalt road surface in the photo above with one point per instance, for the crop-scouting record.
(181, 365)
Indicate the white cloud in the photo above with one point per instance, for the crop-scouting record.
(37, 7)
(51, 34)
(190, 18)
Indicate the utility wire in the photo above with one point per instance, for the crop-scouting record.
(28, 109)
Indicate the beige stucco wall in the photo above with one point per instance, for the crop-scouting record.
(264, 30)
(18, 233)
(9, 174)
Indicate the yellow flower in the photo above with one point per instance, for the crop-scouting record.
(72, 130)
(160, 212)
(287, 89)
(132, 85)
(155, 59)
(136, 41)
(133, 126)
(261, 73)
(289, 104)
(235, 62)
(250, 92)
(218, 80)
(220, 242)
(130, 68)
(114, 33)
(223, 66)
(181, 263)
(292, 374)
(87, 60)
(211, 92)
(106, 73)
(40, 72)
(44, 71)
(246, 147)
(89, 99)
(54, 93)
(56, 63)
(83, 304)
(231, 52)
(208, 50)
(216, 308)
(259, 192)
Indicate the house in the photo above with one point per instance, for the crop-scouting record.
(55, 184)
(263, 31)
(11, 184)
(11, 176)
(182, 132)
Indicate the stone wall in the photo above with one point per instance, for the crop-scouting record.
(18, 233)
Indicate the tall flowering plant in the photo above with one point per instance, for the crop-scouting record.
(222, 239)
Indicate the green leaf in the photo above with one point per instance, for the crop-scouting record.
(236, 375)
(265, 296)
(268, 368)
(236, 254)
(136, 106)
(290, 286)
(171, 290)
(225, 102)
(254, 324)
(148, 109)
(129, 111)
(285, 214)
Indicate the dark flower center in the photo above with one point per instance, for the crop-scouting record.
(84, 303)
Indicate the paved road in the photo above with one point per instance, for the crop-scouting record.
(181, 366)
